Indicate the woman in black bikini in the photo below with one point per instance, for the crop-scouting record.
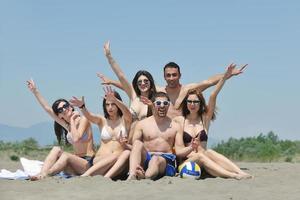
(191, 145)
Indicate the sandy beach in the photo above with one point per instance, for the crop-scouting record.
(272, 181)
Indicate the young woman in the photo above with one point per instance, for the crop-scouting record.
(191, 144)
(73, 129)
(139, 93)
(114, 151)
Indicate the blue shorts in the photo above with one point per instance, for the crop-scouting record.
(170, 159)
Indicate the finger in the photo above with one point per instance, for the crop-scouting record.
(243, 67)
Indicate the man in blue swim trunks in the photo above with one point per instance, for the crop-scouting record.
(153, 140)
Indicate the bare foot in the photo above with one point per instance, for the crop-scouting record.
(243, 176)
(37, 177)
(131, 177)
(140, 173)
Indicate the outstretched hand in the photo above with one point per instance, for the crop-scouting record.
(109, 94)
(237, 71)
(146, 101)
(106, 48)
(31, 85)
(104, 79)
(77, 102)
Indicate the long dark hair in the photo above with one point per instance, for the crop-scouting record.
(152, 89)
(60, 131)
(106, 115)
(203, 107)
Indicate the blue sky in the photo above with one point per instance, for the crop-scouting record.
(59, 44)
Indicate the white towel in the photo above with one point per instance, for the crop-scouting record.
(31, 168)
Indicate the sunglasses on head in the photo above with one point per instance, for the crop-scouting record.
(193, 101)
(61, 109)
(145, 81)
(159, 103)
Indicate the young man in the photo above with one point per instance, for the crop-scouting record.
(177, 92)
(153, 140)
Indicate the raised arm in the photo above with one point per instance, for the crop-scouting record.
(120, 74)
(77, 132)
(107, 81)
(96, 119)
(213, 97)
(203, 85)
(109, 95)
(42, 101)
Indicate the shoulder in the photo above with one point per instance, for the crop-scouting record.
(160, 89)
(178, 119)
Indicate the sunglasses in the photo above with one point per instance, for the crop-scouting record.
(61, 109)
(145, 81)
(159, 103)
(193, 101)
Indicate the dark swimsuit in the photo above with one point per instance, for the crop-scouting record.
(187, 138)
(89, 159)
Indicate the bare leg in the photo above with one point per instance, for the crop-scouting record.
(50, 160)
(212, 167)
(137, 156)
(157, 165)
(101, 167)
(225, 162)
(67, 160)
(119, 165)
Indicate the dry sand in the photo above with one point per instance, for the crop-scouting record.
(272, 181)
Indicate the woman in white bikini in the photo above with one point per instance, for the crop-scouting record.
(112, 156)
(191, 144)
(72, 128)
(141, 89)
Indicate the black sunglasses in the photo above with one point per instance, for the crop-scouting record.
(146, 81)
(61, 109)
(193, 101)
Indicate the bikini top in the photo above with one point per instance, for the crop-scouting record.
(105, 135)
(187, 138)
(84, 138)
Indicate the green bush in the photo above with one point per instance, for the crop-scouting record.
(264, 148)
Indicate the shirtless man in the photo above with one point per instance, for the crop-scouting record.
(153, 140)
(177, 92)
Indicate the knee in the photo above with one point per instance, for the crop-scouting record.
(126, 153)
(57, 150)
(155, 160)
(200, 157)
(137, 145)
(64, 156)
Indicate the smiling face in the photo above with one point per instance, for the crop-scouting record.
(161, 106)
(172, 77)
(143, 83)
(193, 103)
(64, 110)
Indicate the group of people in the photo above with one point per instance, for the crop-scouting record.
(161, 128)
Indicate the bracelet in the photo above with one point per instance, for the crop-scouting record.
(82, 106)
